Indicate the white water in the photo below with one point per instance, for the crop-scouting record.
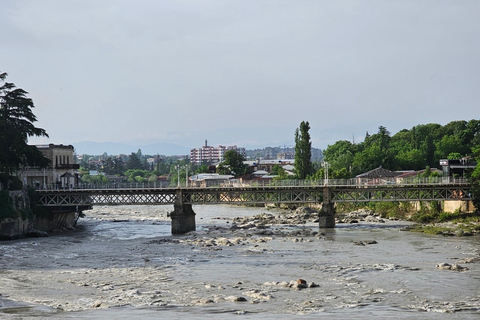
(135, 269)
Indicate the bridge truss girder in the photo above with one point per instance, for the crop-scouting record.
(258, 195)
(108, 197)
(252, 196)
(411, 193)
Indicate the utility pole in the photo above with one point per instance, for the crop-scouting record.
(325, 170)
(178, 176)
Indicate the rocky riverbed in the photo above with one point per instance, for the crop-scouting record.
(239, 261)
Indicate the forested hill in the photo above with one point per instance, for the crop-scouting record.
(409, 149)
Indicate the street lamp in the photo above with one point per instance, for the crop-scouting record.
(178, 176)
(325, 170)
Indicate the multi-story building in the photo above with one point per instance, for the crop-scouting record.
(61, 173)
(209, 154)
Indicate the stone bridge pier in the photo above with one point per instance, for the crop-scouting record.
(326, 216)
(183, 217)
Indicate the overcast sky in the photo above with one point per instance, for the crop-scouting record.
(242, 72)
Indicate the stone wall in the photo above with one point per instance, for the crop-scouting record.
(463, 206)
(15, 228)
(18, 227)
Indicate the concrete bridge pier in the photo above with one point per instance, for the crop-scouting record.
(326, 216)
(183, 217)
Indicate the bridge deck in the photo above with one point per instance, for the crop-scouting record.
(255, 194)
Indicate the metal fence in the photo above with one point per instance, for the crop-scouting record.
(354, 182)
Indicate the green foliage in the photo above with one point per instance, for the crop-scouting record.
(279, 172)
(15, 184)
(434, 216)
(414, 149)
(448, 145)
(413, 159)
(162, 168)
(16, 126)
(38, 211)
(113, 166)
(303, 151)
(202, 169)
(348, 207)
(318, 175)
(454, 156)
(136, 175)
(134, 162)
(7, 209)
(99, 178)
(233, 162)
(397, 210)
(223, 169)
(475, 175)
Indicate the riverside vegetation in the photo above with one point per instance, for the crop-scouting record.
(429, 219)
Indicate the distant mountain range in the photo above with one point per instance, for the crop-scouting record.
(116, 148)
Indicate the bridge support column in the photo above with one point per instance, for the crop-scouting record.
(183, 217)
(326, 217)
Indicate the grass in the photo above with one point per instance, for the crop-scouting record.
(430, 217)
(456, 223)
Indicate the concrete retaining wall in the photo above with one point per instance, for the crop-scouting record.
(463, 206)
(14, 228)
(11, 228)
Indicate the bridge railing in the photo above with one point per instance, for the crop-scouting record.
(354, 182)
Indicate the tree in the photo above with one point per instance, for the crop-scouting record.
(339, 156)
(16, 126)
(303, 151)
(113, 166)
(135, 175)
(202, 169)
(234, 161)
(449, 144)
(475, 176)
(279, 172)
(134, 162)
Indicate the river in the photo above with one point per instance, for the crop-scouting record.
(122, 263)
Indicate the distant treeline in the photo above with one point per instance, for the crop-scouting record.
(409, 149)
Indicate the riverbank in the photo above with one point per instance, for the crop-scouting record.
(428, 221)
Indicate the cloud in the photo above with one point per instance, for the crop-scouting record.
(241, 71)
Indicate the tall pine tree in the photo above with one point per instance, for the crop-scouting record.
(303, 151)
(16, 126)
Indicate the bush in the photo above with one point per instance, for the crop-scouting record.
(398, 210)
(424, 217)
(429, 216)
(348, 206)
(37, 211)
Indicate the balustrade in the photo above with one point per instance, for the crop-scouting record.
(420, 181)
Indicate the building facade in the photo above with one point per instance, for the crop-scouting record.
(209, 154)
(61, 173)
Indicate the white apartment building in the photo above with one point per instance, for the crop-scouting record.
(209, 154)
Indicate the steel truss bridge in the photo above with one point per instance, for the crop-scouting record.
(301, 194)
